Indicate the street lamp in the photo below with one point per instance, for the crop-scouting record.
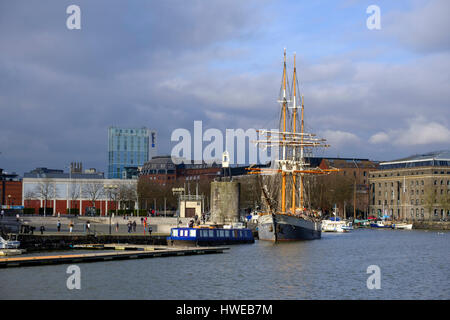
(110, 187)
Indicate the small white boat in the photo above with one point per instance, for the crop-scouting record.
(348, 226)
(333, 226)
(9, 244)
(404, 226)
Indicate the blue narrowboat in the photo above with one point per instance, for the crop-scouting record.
(209, 236)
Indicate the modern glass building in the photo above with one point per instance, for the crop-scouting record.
(127, 148)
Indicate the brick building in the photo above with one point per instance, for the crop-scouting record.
(60, 191)
(357, 171)
(10, 189)
(413, 188)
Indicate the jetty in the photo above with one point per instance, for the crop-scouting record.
(121, 252)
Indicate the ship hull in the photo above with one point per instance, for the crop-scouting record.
(281, 227)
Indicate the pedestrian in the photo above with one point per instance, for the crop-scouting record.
(150, 230)
(70, 226)
(58, 226)
(142, 220)
(59, 214)
(117, 227)
(2, 213)
(129, 226)
(17, 217)
(88, 226)
(42, 229)
(134, 226)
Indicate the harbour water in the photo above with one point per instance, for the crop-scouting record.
(413, 265)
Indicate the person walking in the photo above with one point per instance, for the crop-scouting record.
(70, 226)
(42, 229)
(88, 226)
(117, 227)
(134, 226)
(58, 226)
(2, 213)
(129, 226)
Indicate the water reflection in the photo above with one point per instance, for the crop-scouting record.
(413, 266)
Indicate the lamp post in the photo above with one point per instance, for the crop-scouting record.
(110, 188)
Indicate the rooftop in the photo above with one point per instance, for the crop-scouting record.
(435, 158)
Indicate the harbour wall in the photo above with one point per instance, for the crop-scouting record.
(432, 225)
(35, 242)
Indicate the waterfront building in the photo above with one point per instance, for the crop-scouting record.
(129, 149)
(163, 170)
(415, 188)
(357, 173)
(10, 190)
(76, 191)
(159, 169)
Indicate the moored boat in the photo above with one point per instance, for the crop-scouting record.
(334, 225)
(380, 224)
(9, 244)
(283, 227)
(403, 226)
(209, 236)
(286, 216)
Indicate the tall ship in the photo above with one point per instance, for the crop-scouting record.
(286, 216)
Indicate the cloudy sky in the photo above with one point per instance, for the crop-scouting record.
(378, 94)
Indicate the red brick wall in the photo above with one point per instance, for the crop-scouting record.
(13, 188)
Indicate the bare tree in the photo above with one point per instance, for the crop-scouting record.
(93, 191)
(74, 193)
(45, 190)
(29, 195)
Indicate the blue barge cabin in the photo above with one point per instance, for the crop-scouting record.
(209, 236)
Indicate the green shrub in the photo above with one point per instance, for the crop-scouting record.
(28, 210)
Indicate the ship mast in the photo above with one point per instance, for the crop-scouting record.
(293, 140)
(294, 125)
(283, 174)
(301, 160)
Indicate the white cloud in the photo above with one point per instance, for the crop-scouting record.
(424, 28)
(337, 138)
(419, 132)
(379, 137)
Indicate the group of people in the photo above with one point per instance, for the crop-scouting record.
(131, 226)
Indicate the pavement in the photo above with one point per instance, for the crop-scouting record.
(99, 225)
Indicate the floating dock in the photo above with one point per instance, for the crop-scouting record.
(126, 252)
